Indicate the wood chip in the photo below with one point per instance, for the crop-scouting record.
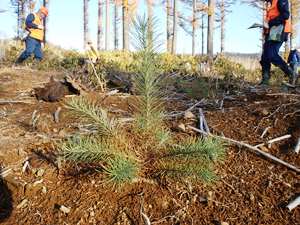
(64, 209)
(23, 204)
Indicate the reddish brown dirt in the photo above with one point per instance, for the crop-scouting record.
(250, 189)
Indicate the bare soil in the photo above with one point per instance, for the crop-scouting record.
(250, 189)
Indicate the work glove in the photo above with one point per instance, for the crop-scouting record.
(41, 27)
(266, 25)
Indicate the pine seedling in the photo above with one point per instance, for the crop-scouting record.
(97, 116)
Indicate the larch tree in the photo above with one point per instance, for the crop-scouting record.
(19, 6)
(169, 24)
(125, 21)
(85, 24)
(45, 22)
(223, 9)
(100, 26)
(210, 28)
(107, 24)
(295, 18)
(175, 21)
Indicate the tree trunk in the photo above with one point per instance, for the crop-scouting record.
(175, 18)
(100, 30)
(85, 23)
(169, 26)
(292, 24)
(223, 17)
(107, 25)
(194, 27)
(210, 29)
(150, 19)
(202, 35)
(125, 25)
(116, 30)
(45, 22)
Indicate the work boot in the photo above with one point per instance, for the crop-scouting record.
(290, 73)
(265, 78)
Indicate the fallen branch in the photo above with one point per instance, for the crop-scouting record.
(293, 204)
(283, 94)
(279, 139)
(187, 110)
(297, 148)
(253, 148)
(203, 122)
(3, 102)
(56, 115)
(265, 132)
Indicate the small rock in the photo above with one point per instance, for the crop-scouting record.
(265, 112)
(189, 115)
(44, 190)
(251, 197)
(23, 204)
(55, 130)
(65, 209)
(224, 223)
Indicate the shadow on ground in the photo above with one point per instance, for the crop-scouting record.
(6, 202)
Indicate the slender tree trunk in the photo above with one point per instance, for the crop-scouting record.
(194, 27)
(107, 25)
(202, 33)
(45, 22)
(210, 29)
(18, 20)
(31, 5)
(169, 26)
(85, 23)
(125, 25)
(100, 30)
(150, 19)
(116, 31)
(175, 18)
(223, 18)
(292, 24)
(264, 11)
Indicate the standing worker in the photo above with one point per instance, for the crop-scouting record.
(34, 25)
(277, 27)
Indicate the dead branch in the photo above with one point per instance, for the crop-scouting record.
(265, 132)
(56, 115)
(187, 110)
(252, 148)
(3, 102)
(283, 94)
(297, 148)
(293, 204)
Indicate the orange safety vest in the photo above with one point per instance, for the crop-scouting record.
(36, 33)
(273, 12)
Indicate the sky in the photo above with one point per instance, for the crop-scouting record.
(65, 26)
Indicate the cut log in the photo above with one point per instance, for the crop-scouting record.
(250, 147)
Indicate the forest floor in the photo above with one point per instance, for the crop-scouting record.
(250, 189)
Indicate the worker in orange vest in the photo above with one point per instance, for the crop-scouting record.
(35, 28)
(277, 28)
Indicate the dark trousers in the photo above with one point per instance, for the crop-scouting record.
(271, 55)
(33, 46)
